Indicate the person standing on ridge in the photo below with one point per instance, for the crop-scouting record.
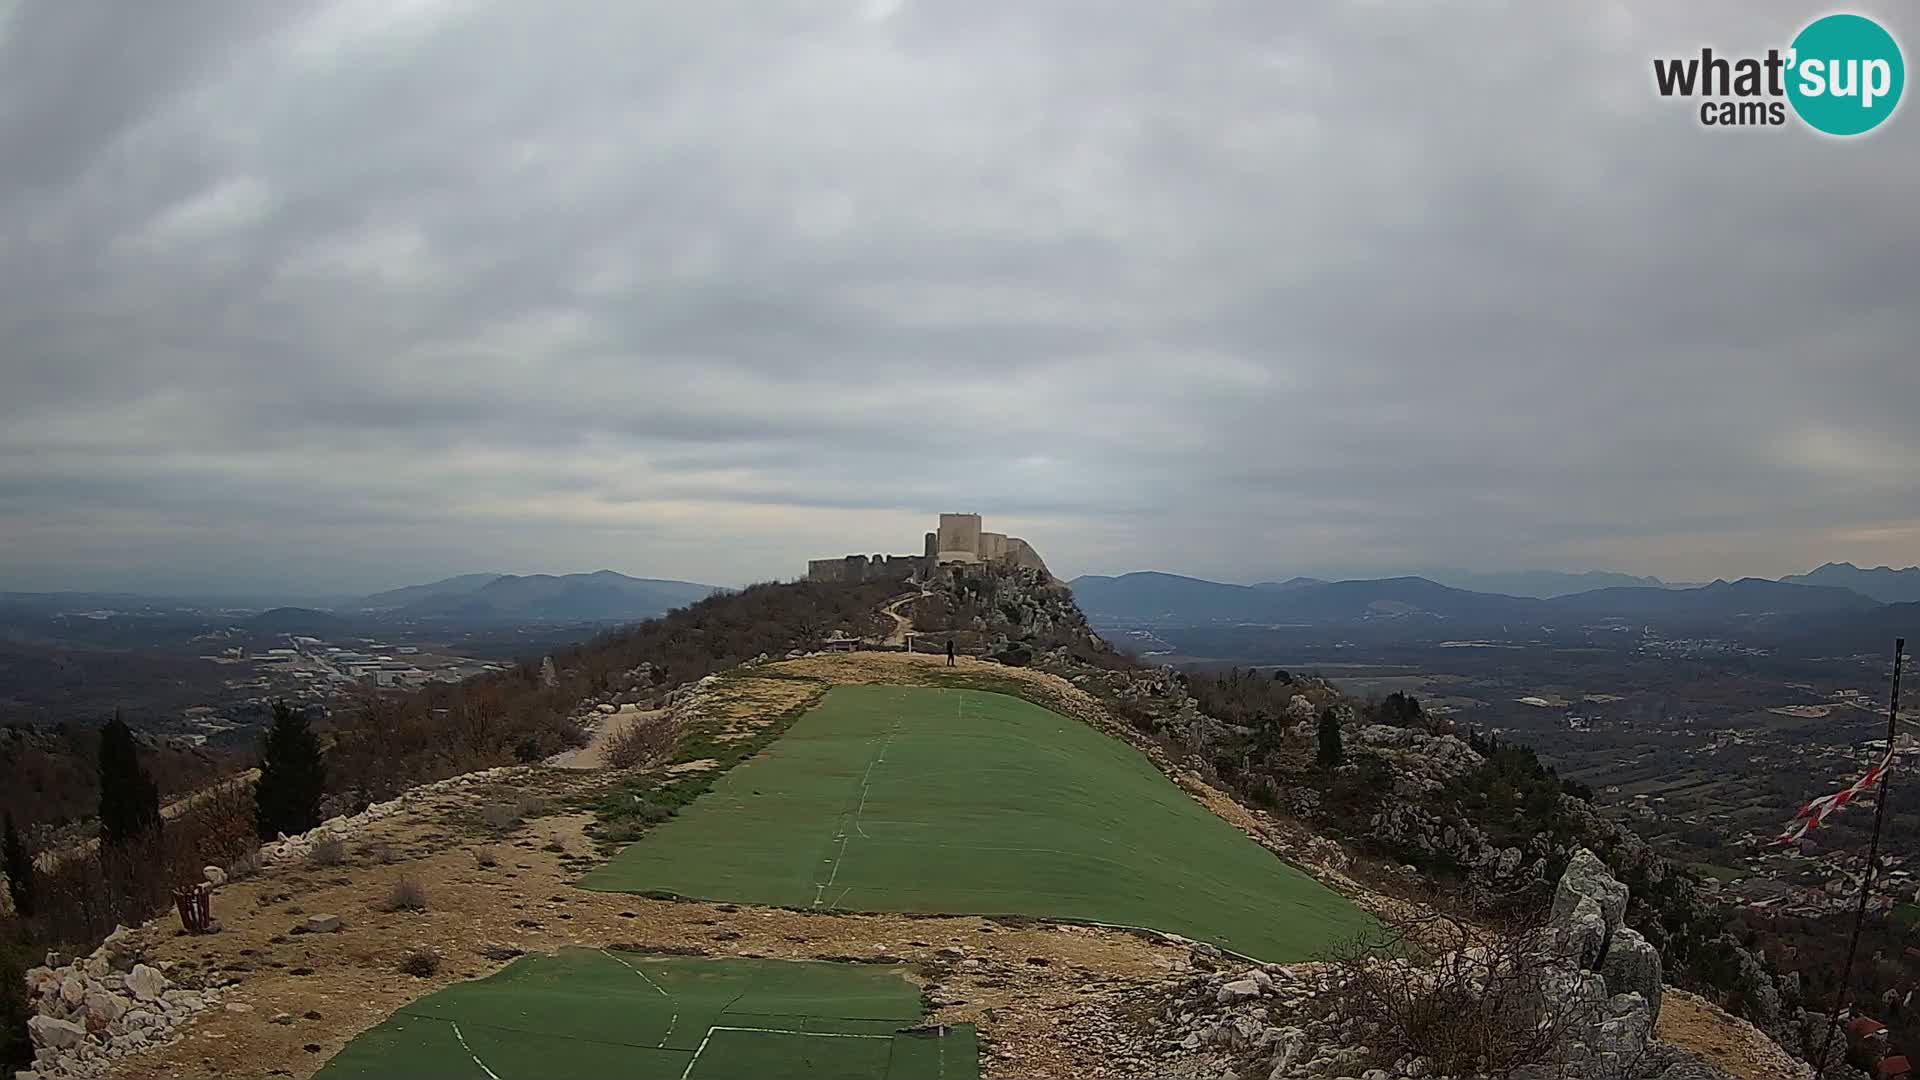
(949, 652)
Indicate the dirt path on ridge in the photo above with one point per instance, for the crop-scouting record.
(902, 624)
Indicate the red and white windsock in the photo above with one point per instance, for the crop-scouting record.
(1811, 815)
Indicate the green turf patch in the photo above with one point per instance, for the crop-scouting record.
(596, 1013)
(915, 799)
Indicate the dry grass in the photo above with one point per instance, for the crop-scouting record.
(330, 851)
(420, 963)
(407, 895)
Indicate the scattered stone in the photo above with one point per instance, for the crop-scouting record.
(146, 983)
(57, 1034)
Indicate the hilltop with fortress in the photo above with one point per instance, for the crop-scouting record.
(958, 540)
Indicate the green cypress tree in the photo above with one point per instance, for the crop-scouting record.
(16, 1040)
(19, 864)
(1330, 751)
(129, 799)
(293, 776)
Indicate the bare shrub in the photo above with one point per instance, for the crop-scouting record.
(530, 806)
(406, 895)
(642, 743)
(328, 851)
(84, 892)
(485, 858)
(245, 866)
(1482, 1002)
(380, 851)
(420, 963)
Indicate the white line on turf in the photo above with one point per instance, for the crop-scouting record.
(471, 1054)
(866, 784)
(708, 1037)
(675, 1019)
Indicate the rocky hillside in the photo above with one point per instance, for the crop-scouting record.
(313, 933)
(1484, 825)
(1574, 998)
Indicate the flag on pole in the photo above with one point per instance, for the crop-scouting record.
(1814, 813)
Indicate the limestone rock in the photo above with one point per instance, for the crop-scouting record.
(1587, 876)
(215, 876)
(145, 983)
(1238, 990)
(1582, 932)
(105, 1008)
(322, 924)
(55, 1034)
(1632, 966)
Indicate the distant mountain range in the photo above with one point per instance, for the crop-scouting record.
(602, 596)
(1151, 598)
(1884, 584)
(1544, 584)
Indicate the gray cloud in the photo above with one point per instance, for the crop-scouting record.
(337, 296)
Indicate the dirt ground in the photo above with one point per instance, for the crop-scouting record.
(327, 988)
(1695, 1024)
(1049, 1001)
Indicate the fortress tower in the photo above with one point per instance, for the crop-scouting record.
(959, 539)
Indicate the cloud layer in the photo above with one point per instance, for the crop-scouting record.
(332, 297)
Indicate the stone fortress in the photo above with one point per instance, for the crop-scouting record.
(959, 539)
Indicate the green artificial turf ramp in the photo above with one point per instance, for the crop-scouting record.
(914, 799)
(593, 1013)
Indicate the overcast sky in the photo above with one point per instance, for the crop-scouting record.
(332, 297)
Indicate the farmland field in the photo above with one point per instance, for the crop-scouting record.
(915, 799)
(601, 1013)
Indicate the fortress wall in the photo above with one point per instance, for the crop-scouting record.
(993, 546)
(829, 569)
(1021, 553)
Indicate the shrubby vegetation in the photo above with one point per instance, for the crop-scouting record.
(384, 744)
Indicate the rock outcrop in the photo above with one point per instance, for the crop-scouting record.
(1588, 980)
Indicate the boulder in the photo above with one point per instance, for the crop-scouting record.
(1632, 966)
(73, 990)
(145, 983)
(1582, 933)
(1289, 1048)
(1586, 876)
(1238, 990)
(55, 1034)
(105, 1008)
(321, 924)
(215, 876)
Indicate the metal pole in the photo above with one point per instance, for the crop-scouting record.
(1844, 990)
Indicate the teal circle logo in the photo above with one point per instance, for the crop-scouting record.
(1845, 74)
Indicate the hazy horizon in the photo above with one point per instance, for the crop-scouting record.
(328, 298)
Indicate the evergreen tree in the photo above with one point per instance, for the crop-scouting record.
(16, 1039)
(293, 776)
(129, 799)
(1330, 752)
(19, 864)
